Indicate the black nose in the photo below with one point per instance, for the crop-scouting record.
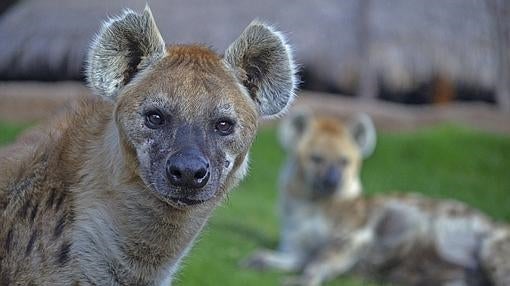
(189, 169)
(332, 178)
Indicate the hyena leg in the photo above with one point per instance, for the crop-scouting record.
(334, 259)
(264, 259)
(496, 257)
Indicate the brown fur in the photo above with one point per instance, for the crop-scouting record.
(91, 202)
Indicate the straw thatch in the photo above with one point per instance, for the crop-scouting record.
(398, 43)
(413, 40)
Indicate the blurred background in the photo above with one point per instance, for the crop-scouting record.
(433, 74)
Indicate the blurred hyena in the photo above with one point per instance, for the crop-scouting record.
(329, 228)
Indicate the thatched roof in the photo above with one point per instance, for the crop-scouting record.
(411, 40)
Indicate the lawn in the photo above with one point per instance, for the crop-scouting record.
(444, 161)
(9, 131)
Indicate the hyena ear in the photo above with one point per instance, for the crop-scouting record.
(293, 127)
(263, 63)
(124, 46)
(363, 131)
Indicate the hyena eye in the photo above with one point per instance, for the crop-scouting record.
(154, 119)
(344, 161)
(316, 159)
(224, 127)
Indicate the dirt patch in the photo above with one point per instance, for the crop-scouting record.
(398, 117)
(36, 101)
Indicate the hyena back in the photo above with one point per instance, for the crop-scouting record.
(121, 186)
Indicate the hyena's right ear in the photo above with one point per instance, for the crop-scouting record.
(263, 63)
(293, 127)
(124, 46)
(363, 132)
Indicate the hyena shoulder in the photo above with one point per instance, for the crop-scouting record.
(37, 204)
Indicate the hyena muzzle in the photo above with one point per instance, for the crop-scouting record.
(121, 186)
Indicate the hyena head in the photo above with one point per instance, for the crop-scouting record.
(328, 152)
(185, 115)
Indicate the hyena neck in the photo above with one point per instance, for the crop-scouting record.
(292, 181)
(351, 190)
(123, 232)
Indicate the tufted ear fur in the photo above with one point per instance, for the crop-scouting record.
(293, 127)
(124, 46)
(363, 131)
(263, 63)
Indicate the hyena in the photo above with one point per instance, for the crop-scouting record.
(119, 189)
(328, 228)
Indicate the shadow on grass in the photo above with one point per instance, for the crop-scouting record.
(251, 234)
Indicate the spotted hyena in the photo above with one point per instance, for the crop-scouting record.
(120, 187)
(329, 228)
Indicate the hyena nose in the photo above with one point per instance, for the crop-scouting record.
(332, 178)
(187, 170)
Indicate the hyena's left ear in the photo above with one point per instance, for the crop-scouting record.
(263, 63)
(363, 131)
(293, 126)
(124, 46)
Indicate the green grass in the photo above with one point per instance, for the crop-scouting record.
(445, 161)
(9, 131)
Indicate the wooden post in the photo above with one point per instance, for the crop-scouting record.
(499, 10)
(367, 83)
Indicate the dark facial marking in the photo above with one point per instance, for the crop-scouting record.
(63, 253)
(31, 241)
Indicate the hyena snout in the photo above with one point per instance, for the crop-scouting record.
(188, 169)
(332, 178)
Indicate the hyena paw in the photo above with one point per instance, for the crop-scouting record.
(257, 261)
